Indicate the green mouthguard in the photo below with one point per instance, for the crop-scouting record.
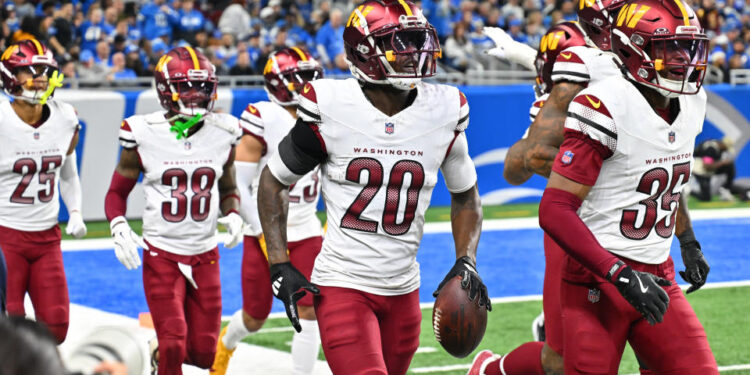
(181, 127)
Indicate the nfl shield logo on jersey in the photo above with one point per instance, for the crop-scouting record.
(671, 137)
(36, 135)
(594, 295)
(567, 157)
(188, 145)
(389, 128)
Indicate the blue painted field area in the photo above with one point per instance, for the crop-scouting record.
(511, 262)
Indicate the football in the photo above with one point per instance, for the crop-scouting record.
(458, 323)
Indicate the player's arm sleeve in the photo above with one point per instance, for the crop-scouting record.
(70, 183)
(458, 168)
(252, 122)
(590, 137)
(299, 152)
(308, 109)
(570, 67)
(126, 137)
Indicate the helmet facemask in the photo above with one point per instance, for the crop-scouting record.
(195, 95)
(32, 89)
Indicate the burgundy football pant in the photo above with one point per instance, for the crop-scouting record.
(35, 265)
(553, 258)
(364, 333)
(257, 296)
(597, 321)
(187, 320)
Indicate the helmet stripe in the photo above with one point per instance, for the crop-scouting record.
(39, 48)
(300, 53)
(196, 64)
(685, 17)
(406, 7)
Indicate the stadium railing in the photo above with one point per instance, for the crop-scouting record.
(739, 77)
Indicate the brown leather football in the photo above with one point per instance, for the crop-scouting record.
(458, 323)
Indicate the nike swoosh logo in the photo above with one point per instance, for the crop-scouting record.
(567, 57)
(643, 289)
(593, 103)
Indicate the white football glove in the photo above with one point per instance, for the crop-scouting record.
(126, 243)
(508, 49)
(233, 222)
(76, 227)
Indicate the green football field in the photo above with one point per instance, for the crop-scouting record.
(723, 312)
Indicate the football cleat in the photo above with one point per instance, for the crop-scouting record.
(481, 361)
(223, 355)
(537, 328)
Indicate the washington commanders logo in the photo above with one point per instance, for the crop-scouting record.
(389, 128)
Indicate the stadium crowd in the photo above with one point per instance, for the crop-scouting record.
(113, 40)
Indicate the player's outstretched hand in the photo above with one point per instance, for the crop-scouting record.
(696, 266)
(233, 222)
(76, 227)
(644, 292)
(508, 49)
(470, 280)
(289, 285)
(126, 243)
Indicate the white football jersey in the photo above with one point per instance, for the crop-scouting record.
(180, 179)
(270, 123)
(30, 160)
(584, 64)
(632, 205)
(378, 178)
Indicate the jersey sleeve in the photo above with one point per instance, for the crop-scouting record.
(299, 153)
(463, 113)
(536, 107)
(570, 67)
(308, 109)
(252, 122)
(590, 137)
(127, 140)
(458, 168)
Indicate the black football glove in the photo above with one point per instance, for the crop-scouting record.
(470, 279)
(696, 267)
(642, 290)
(289, 286)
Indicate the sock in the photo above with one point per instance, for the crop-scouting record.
(524, 360)
(305, 346)
(236, 331)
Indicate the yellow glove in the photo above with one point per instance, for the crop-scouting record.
(54, 82)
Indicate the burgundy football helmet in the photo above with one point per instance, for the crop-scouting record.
(596, 18)
(30, 56)
(186, 82)
(287, 71)
(662, 45)
(558, 38)
(383, 35)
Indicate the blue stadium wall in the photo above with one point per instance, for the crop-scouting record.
(499, 116)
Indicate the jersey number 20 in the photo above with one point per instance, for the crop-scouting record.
(374, 169)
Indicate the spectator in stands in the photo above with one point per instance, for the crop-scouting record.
(235, 20)
(24, 8)
(68, 68)
(93, 30)
(329, 40)
(62, 33)
(714, 159)
(512, 9)
(459, 49)
(102, 54)
(135, 61)
(191, 21)
(242, 66)
(119, 71)
(89, 70)
(158, 18)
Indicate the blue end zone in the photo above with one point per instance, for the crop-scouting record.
(511, 263)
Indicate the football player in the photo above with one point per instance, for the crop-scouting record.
(571, 56)
(381, 139)
(612, 198)
(265, 124)
(37, 149)
(186, 155)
